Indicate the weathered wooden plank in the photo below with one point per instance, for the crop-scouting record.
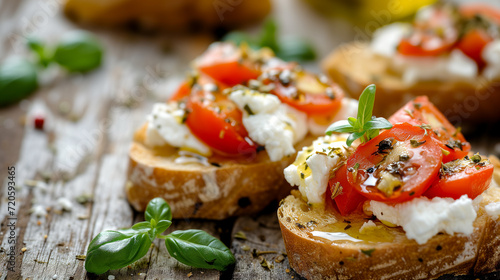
(261, 248)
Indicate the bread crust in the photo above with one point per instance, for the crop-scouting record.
(238, 187)
(399, 258)
(353, 66)
(173, 16)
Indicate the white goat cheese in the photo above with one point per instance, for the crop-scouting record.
(311, 169)
(386, 39)
(270, 123)
(423, 218)
(165, 126)
(491, 54)
(493, 209)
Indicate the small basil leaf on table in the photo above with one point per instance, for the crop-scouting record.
(158, 213)
(78, 51)
(38, 47)
(114, 249)
(198, 249)
(18, 78)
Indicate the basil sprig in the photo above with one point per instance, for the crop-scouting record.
(77, 51)
(114, 249)
(365, 126)
(288, 48)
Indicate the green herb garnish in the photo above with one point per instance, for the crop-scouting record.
(368, 252)
(289, 48)
(77, 51)
(365, 126)
(114, 249)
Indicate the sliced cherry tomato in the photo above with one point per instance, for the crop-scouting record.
(470, 176)
(473, 43)
(216, 121)
(395, 166)
(228, 64)
(432, 37)
(473, 9)
(422, 112)
(421, 44)
(184, 89)
(348, 199)
(305, 91)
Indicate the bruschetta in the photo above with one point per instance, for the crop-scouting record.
(448, 53)
(218, 147)
(173, 16)
(409, 203)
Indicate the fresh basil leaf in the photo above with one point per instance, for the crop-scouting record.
(268, 36)
(341, 127)
(198, 249)
(238, 37)
(18, 78)
(296, 49)
(366, 102)
(353, 121)
(38, 47)
(114, 249)
(78, 51)
(353, 137)
(377, 123)
(370, 134)
(158, 210)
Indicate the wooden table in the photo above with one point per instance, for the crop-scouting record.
(81, 154)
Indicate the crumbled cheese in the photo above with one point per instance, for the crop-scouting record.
(493, 209)
(270, 123)
(39, 211)
(456, 65)
(422, 218)
(348, 108)
(165, 126)
(491, 54)
(311, 169)
(65, 204)
(386, 39)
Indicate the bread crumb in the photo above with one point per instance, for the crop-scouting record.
(24, 249)
(45, 236)
(189, 274)
(38, 223)
(287, 270)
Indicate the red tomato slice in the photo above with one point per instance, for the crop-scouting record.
(216, 121)
(184, 89)
(349, 199)
(473, 43)
(228, 64)
(459, 177)
(421, 111)
(305, 91)
(421, 44)
(470, 10)
(433, 37)
(396, 166)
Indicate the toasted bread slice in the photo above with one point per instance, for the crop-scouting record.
(354, 66)
(186, 15)
(226, 187)
(315, 252)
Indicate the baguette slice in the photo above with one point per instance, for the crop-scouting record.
(354, 66)
(384, 252)
(184, 15)
(227, 187)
